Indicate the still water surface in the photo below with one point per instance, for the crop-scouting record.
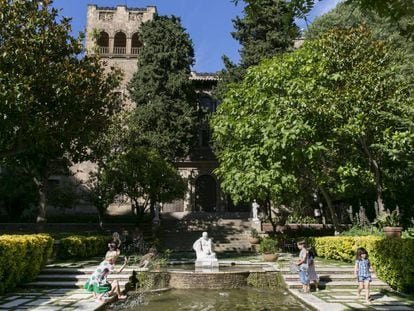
(242, 299)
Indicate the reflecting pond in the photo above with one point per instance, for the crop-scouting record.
(242, 299)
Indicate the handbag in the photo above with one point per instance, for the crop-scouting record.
(294, 268)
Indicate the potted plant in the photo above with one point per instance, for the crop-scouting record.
(390, 223)
(254, 237)
(269, 247)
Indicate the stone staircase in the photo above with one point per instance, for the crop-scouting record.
(61, 276)
(228, 235)
(331, 275)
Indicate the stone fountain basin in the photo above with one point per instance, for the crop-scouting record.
(227, 275)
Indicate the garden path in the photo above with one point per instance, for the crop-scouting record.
(338, 289)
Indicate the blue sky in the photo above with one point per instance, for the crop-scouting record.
(207, 21)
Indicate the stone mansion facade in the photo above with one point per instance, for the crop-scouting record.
(113, 32)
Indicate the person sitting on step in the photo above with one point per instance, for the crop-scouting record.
(98, 283)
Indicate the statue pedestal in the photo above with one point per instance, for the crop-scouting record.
(207, 262)
(257, 224)
(207, 265)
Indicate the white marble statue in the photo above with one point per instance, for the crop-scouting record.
(203, 248)
(255, 209)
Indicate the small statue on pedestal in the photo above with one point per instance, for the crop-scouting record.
(255, 210)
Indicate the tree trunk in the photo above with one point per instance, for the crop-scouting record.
(328, 201)
(139, 211)
(100, 216)
(378, 187)
(267, 209)
(373, 164)
(42, 191)
(152, 209)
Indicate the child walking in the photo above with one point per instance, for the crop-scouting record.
(312, 275)
(98, 283)
(303, 265)
(362, 272)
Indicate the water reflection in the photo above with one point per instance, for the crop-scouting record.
(244, 299)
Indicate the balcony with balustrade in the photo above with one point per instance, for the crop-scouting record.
(120, 46)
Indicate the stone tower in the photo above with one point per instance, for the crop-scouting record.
(113, 32)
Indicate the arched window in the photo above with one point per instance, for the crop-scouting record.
(120, 43)
(135, 44)
(103, 43)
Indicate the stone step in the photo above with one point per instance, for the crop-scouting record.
(327, 278)
(325, 270)
(190, 234)
(79, 271)
(63, 284)
(338, 284)
(233, 249)
(72, 277)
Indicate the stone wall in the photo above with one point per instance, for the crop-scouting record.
(219, 280)
(208, 280)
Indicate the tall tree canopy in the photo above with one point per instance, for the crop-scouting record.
(53, 102)
(141, 148)
(165, 113)
(266, 29)
(336, 113)
(350, 14)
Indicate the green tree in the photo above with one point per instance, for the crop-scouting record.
(266, 29)
(54, 102)
(145, 177)
(349, 15)
(18, 193)
(165, 113)
(336, 113)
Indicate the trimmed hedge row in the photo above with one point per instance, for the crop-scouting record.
(21, 258)
(78, 246)
(392, 259)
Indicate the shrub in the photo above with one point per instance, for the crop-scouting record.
(363, 231)
(268, 246)
(408, 233)
(21, 258)
(78, 246)
(391, 258)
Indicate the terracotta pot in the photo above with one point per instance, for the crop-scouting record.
(392, 232)
(254, 240)
(270, 257)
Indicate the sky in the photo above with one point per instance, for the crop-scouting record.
(209, 23)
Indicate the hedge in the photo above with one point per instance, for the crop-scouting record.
(392, 259)
(21, 258)
(78, 246)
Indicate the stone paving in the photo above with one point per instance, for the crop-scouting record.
(340, 291)
(49, 300)
(331, 298)
(346, 299)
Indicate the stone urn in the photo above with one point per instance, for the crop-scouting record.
(254, 240)
(392, 232)
(270, 257)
